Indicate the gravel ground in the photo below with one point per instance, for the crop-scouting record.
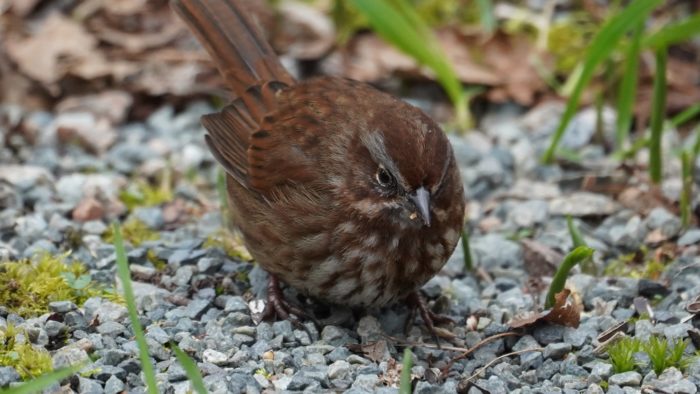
(194, 293)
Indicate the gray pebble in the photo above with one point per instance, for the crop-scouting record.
(630, 378)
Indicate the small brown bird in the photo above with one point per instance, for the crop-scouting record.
(342, 191)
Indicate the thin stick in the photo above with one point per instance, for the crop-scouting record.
(490, 363)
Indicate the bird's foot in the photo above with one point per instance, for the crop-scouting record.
(417, 302)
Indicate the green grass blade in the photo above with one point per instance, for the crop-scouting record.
(628, 88)
(687, 188)
(576, 237)
(467, 250)
(658, 110)
(40, 383)
(223, 197)
(601, 46)
(674, 33)
(486, 16)
(125, 277)
(574, 257)
(405, 383)
(190, 369)
(696, 145)
(687, 114)
(403, 27)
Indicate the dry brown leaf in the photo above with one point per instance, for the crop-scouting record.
(644, 201)
(111, 104)
(20, 8)
(565, 313)
(375, 351)
(46, 55)
(540, 260)
(124, 7)
(307, 33)
(138, 42)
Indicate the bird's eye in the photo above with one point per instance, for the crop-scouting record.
(384, 178)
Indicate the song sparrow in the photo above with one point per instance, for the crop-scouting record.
(339, 190)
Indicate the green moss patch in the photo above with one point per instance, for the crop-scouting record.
(16, 352)
(231, 244)
(28, 286)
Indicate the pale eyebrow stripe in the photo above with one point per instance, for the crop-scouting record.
(374, 142)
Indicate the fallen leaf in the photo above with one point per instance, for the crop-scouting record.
(111, 104)
(307, 33)
(565, 313)
(46, 55)
(376, 351)
(88, 209)
(540, 260)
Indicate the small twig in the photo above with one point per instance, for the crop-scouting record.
(471, 350)
(490, 363)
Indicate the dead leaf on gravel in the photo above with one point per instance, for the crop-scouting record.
(124, 7)
(138, 42)
(46, 55)
(540, 260)
(566, 312)
(643, 201)
(112, 104)
(307, 33)
(20, 8)
(376, 351)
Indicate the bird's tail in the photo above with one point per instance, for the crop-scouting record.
(231, 37)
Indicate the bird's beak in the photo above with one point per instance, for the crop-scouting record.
(421, 199)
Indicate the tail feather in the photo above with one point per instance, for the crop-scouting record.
(240, 51)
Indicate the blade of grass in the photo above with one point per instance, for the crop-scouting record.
(628, 88)
(687, 114)
(576, 237)
(602, 44)
(190, 369)
(658, 110)
(574, 257)
(405, 383)
(38, 384)
(466, 249)
(125, 277)
(696, 145)
(403, 27)
(486, 17)
(674, 33)
(223, 196)
(686, 189)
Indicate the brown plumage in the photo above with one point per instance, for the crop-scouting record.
(341, 191)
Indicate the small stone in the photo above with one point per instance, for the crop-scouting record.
(196, 308)
(690, 237)
(528, 360)
(214, 357)
(236, 304)
(8, 375)
(335, 336)
(582, 204)
(88, 209)
(600, 370)
(114, 385)
(62, 306)
(89, 386)
(110, 328)
(369, 329)
(594, 389)
(549, 333)
(366, 382)
(68, 356)
(630, 378)
(556, 350)
(339, 370)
